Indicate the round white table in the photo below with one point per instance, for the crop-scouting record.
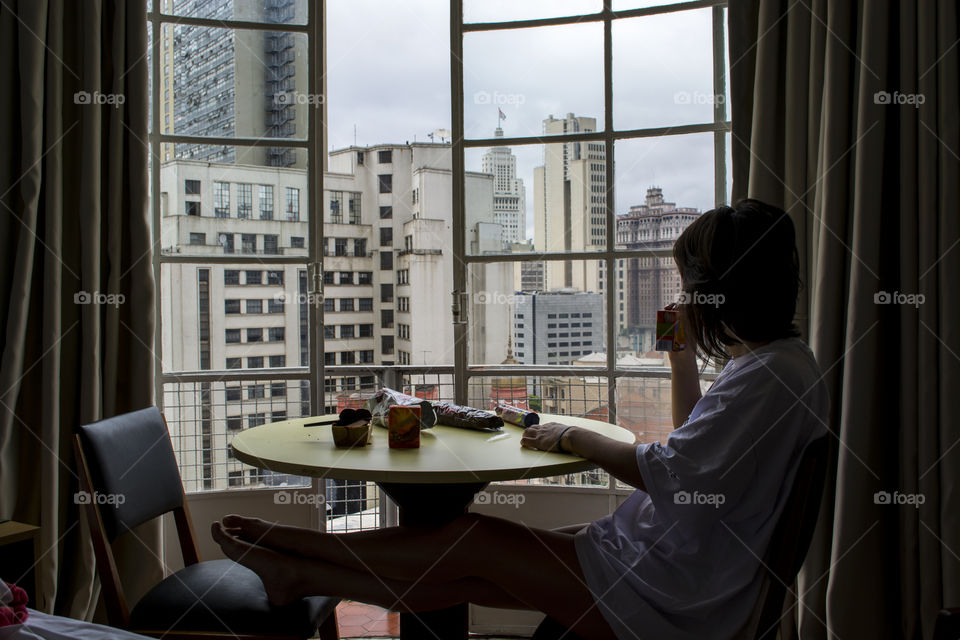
(431, 485)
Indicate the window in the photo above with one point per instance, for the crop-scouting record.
(234, 363)
(340, 246)
(365, 331)
(293, 204)
(346, 277)
(255, 362)
(278, 390)
(346, 331)
(386, 345)
(386, 212)
(366, 357)
(198, 238)
(278, 416)
(386, 318)
(347, 357)
(365, 304)
(296, 242)
(403, 276)
(329, 358)
(192, 207)
(403, 303)
(231, 306)
(346, 304)
(191, 187)
(255, 420)
(225, 240)
(221, 199)
(328, 305)
(254, 306)
(360, 247)
(266, 202)
(386, 292)
(385, 157)
(274, 305)
(231, 276)
(253, 277)
(328, 277)
(276, 334)
(336, 207)
(386, 183)
(255, 391)
(329, 331)
(364, 277)
(278, 361)
(244, 200)
(231, 335)
(270, 244)
(360, 157)
(386, 260)
(254, 335)
(386, 236)
(234, 394)
(235, 423)
(275, 277)
(353, 207)
(248, 243)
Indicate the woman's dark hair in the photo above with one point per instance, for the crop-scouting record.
(739, 270)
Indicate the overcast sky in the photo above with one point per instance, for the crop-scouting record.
(389, 76)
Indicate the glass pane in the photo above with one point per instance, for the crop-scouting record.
(504, 10)
(663, 70)
(233, 316)
(537, 198)
(563, 395)
(621, 5)
(508, 82)
(233, 205)
(228, 82)
(513, 319)
(203, 418)
(267, 11)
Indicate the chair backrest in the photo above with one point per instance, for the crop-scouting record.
(128, 476)
(793, 533)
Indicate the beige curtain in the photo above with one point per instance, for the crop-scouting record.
(76, 285)
(846, 113)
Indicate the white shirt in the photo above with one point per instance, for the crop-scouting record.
(682, 559)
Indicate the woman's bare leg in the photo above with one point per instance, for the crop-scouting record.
(532, 566)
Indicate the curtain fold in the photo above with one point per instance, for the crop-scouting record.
(76, 281)
(846, 114)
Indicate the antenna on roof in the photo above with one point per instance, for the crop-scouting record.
(354, 135)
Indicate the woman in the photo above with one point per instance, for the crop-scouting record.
(681, 557)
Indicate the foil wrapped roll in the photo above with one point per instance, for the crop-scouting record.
(381, 401)
(455, 415)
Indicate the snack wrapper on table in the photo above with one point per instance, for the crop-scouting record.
(379, 407)
(515, 415)
(455, 415)
(670, 335)
(403, 424)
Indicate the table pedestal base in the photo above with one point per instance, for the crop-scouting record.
(432, 504)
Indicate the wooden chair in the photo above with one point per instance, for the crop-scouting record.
(787, 550)
(129, 475)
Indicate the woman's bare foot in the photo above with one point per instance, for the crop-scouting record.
(278, 572)
(252, 530)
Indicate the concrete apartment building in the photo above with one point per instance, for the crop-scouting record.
(387, 284)
(569, 201)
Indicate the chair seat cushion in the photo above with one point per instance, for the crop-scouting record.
(223, 596)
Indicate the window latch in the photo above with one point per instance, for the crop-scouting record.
(459, 307)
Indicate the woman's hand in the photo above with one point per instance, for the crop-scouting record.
(543, 437)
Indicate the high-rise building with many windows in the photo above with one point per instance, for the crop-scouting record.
(509, 194)
(569, 201)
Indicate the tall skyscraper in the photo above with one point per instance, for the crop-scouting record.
(509, 194)
(234, 83)
(648, 284)
(569, 201)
